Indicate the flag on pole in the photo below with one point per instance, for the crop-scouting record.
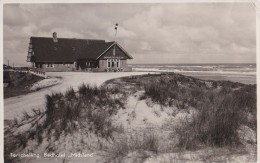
(116, 29)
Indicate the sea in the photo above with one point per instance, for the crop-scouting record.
(242, 72)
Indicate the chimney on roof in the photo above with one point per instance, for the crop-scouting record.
(55, 39)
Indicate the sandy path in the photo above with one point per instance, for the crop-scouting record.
(15, 106)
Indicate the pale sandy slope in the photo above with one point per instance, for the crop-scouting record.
(15, 106)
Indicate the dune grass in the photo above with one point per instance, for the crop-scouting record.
(222, 106)
(125, 144)
(90, 108)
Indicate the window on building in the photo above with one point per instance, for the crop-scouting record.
(109, 63)
(49, 65)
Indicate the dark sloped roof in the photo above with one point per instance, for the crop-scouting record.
(119, 53)
(94, 51)
(65, 50)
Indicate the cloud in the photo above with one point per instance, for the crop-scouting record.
(175, 32)
(145, 46)
(121, 33)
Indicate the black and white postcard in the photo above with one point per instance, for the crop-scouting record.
(111, 82)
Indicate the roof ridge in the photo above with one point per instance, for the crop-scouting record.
(98, 43)
(69, 38)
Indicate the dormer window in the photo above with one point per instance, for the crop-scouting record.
(55, 38)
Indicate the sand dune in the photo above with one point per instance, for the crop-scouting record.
(15, 106)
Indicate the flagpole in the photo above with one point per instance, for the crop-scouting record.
(114, 50)
(116, 25)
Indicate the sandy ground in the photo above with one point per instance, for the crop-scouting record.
(45, 83)
(15, 106)
(138, 115)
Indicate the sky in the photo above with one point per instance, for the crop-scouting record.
(150, 32)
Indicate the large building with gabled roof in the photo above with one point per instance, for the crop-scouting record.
(69, 54)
